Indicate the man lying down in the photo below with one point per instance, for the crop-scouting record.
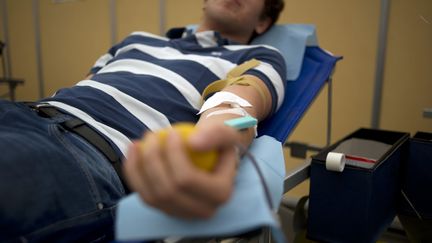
(66, 160)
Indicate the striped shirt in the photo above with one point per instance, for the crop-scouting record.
(147, 82)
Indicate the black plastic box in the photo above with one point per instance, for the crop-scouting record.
(415, 209)
(357, 204)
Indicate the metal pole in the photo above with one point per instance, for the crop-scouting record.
(329, 109)
(162, 17)
(36, 24)
(380, 63)
(6, 54)
(113, 22)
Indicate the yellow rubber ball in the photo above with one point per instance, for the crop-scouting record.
(205, 160)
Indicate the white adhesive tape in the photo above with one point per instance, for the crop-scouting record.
(224, 97)
(335, 161)
(236, 111)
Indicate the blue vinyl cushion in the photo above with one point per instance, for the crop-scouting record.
(316, 70)
(291, 40)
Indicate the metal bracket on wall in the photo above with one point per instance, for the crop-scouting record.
(427, 112)
(12, 83)
(299, 150)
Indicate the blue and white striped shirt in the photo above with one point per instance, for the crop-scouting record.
(147, 82)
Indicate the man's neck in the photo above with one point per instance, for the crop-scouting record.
(239, 38)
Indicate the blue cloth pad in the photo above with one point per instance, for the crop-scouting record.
(247, 208)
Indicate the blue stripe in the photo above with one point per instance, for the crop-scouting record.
(94, 103)
(198, 75)
(152, 91)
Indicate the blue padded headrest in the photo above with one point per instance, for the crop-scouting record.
(291, 40)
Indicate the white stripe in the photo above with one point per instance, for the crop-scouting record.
(242, 47)
(146, 34)
(102, 61)
(120, 140)
(218, 66)
(152, 118)
(238, 47)
(276, 80)
(146, 68)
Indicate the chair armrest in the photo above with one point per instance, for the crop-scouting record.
(297, 175)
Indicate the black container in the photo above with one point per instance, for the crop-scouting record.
(415, 209)
(357, 204)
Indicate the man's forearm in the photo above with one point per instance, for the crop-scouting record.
(245, 135)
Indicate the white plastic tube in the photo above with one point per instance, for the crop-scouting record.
(335, 161)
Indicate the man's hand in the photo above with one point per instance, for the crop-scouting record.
(165, 178)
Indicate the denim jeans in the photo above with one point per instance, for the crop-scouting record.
(54, 186)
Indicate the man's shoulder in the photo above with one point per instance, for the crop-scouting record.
(260, 51)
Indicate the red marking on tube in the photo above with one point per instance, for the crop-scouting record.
(360, 159)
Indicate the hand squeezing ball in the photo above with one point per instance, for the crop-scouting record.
(205, 160)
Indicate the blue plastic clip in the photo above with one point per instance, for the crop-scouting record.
(242, 122)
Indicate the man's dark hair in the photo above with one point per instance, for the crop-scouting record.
(272, 9)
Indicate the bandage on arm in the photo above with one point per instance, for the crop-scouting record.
(257, 109)
(237, 77)
(248, 89)
(254, 91)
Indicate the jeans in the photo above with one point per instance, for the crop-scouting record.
(54, 186)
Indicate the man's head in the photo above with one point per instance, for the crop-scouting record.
(240, 20)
